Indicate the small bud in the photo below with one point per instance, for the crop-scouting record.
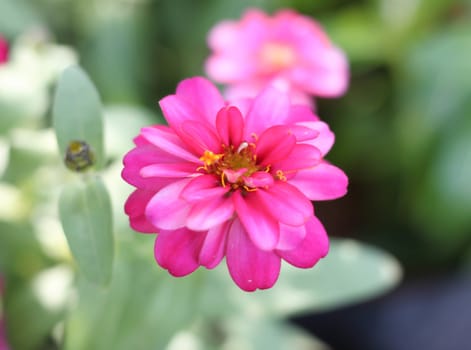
(79, 156)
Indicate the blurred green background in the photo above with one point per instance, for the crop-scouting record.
(403, 136)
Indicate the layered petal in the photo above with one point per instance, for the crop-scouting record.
(323, 182)
(202, 95)
(140, 157)
(313, 247)
(290, 236)
(214, 245)
(210, 213)
(165, 170)
(135, 208)
(285, 203)
(177, 110)
(177, 251)
(259, 179)
(260, 226)
(199, 137)
(269, 108)
(325, 138)
(275, 144)
(301, 113)
(230, 125)
(167, 210)
(250, 267)
(301, 157)
(203, 187)
(166, 140)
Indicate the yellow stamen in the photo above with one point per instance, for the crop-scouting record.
(209, 158)
(223, 179)
(249, 189)
(280, 175)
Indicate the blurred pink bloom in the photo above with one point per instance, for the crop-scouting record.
(3, 337)
(3, 50)
(234, 181)
(287, 49)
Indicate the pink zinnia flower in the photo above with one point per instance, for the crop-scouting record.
(288, 49)
(234, 181)
(3, 50)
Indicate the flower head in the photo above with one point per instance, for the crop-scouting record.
(3, 50)
(234, 181)
(287, 49)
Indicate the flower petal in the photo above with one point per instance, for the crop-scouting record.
(314, 246)
(302, 157)
(226, 68)
(325, 138)
(285, 203)
(210, 213)
(214, 246)
(140, 157)
(202, 95)
(165, 139)
(290, 236)
(174, 170)
(230, 125)
(326, 75)
(167, 210)
(301, 113)
(250, 267)
(323, 182)
(135, 208)
(204, 187)
(259, 179)
(270, 107)
(274, 144)
(200, 137)
(262, 229)
(222, 34)
(176, 110)
(177, 251)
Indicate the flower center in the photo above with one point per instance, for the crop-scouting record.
(276, 56)
(233, 165)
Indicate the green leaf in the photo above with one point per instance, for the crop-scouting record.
(16, 16)
(85, 213)
(77, 113)
(244, 332)
(350, 273)
(142, 308)
(28, 322)
(360, 33)
(122, 125)
(434, 129)
(443, 203)
(249, 333)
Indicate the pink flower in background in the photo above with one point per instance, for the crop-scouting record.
(3, 50)
(3, 336)
(234, 181)
(287, 49)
